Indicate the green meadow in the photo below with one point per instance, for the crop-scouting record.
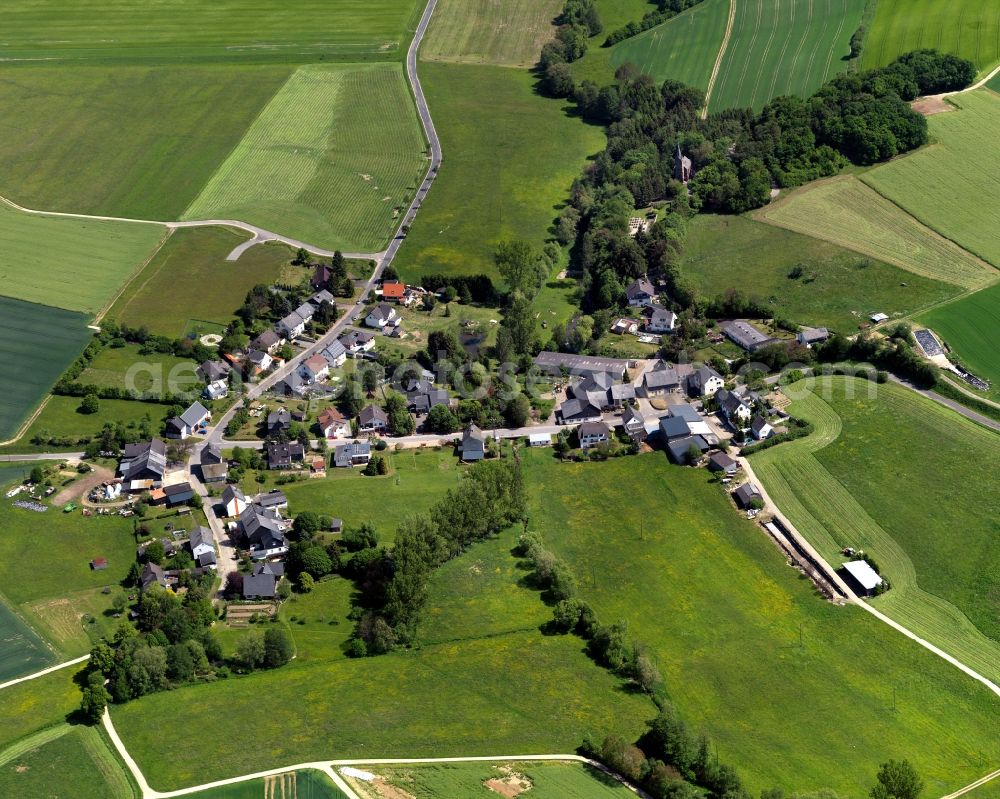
(946, 184)
(190, 282)
(968, 28)
(37, 704)
(838, 288)
(596, 64)
(722, 615)
(332, 159)
(511, 156)
(36, 344)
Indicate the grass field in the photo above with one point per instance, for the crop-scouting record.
(189, 279)
(969, 28)
(947, 185)
(596, 62)
(466, 781)
(508, 164)
(185, 30)
(64, 761)
(721, 613)
(850, 214)
(291, 785)
(839, 288)
(23, 652)
(132, 141)
(116, 367)
(921, 479)
(327, 161)
(36, 344)
(31, 706)
(969, 327)
(503, 32)
(70, 263)
(775, 48)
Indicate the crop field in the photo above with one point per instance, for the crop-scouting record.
(848, 213)
(186, 30)
(969, 28)
(22, 652)
(291, 785)
(947, 184)
(969, 327)
(467, 781)
(64, 761)
(74, 264)
(775, 48)
(719, 610)
(327, 161)
(190, 280)
(31, 706)
(509, 164)
(838, 289)
(944, 586)
(504, 32)
(128, 141)
(36, 344)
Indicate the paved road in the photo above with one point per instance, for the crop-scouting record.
(956, 406)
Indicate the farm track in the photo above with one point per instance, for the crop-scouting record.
(718, 59)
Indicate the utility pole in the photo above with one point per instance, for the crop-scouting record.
(800, 636)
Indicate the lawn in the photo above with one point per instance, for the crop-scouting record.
(186, 30)
(596, 62)
(969, 327)
(774, 48)
(466, 781)
(31, 706)
(189, 281)
(919, 507)
(330, 160)
(848, 213)
(508, 165)
(318, 620)
(61, 419)
(36, 344)
(947, 185)
(969, 28)
(838, 288)
(133, 141)
(507, 33)
(64, 761)
(290, 785)
(70, 263)
(473, 320)
(125, 368)
(23, 651)
(721, 613)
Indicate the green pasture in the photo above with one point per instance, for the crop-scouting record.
(918, 506)
(125, 368)
(548, 780)
(306, 784)
(128, 141)
(330, 160)
(36, 704)
(318, 620)
(848, 213)
(190, 279)
(23, 652)
(838, 289)
(36, 344)
(723, 615)
(419, 324)
(76, 264)
(968, 326)
(64, 761)
(189, 30)
(946, 185)
(969, 28)
(508, 33)
(596, 63)
(508, 167)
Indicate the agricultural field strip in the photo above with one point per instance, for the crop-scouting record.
(43, 672)
(830, 518)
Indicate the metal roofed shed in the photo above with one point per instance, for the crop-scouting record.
(862, 575)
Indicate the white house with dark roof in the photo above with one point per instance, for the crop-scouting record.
(592, 434)
(202, 545)
(705, 381)
(660, 320)
(733, 408)
(211, 371)
(357, 341)
(372, 419)
(335, 354)
(142, 465)
(259, 361)
(640, 293)
(234, 501)
(268, 342)
(760, 428)
(381, 316)
(263, 532)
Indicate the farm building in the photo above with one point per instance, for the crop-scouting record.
(746, 494)
(746, 336)
(812, 335)
(680, 447)
(879, 317)
(862, 578)
(553, 363)
(721, 462)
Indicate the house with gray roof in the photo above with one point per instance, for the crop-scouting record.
(268, 342)
(733, 408)
(659, 381)
(211, 371)
(640, 293)
(680, 448)
(357, 341)
(152, 575)
(593, 434)
(381, 316)
(142, 465)
(704, 382)
(278, 421)
(555, 363)
(660, 320)
(473, 445)
(721, 462)
(335, 354)
(354, 453)
(202, 546)
(578, 410)
(747, 494)
(746, 336)
(634, 423)
(262, 531)
(760, 428)
(189, 422)
(812, 335)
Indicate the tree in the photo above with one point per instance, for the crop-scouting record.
(518, 411)
(355, 539)
(441, 419)
(693, 454)
(306, 583)
(90, 404)
(316, 562)
(119, 602)
(277, 647)
(516, 263)
(250, 650)
(95, 698)
(897, 779)
(37, 475)
(180, 663)
(155, 552)
(301, 256)
(557, 81)
(306, 525)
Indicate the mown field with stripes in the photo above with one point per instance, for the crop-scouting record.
(330, 160)
(917, 505)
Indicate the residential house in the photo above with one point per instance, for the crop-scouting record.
(211, 454)
(333, 424)
(274, 499)
(393, 291)
(625, 325)
(381, 316)
(294, 325)
(372, 419)
(640, 293)
(556, 363)
(262, 582)
(214, 472)
(320, 277)
(634, 423)
(357, 341)
(262, 531)
(421, 396)
(278, 421)
(578, 410)
(314, 369)
(721, 462)
(812, 335)
(152, 575)
(216, 390)
(473, 445)
(268, 342)
(335, 354)
(680, 449)
(760, 428)
(189, 422)
(747, 494)
(281, 455)
(660, 320)
(202, 546)
(592, 434)
(142, 465)
(704, 382)
(600, 390)
(258, 361)
(320, 297)
(540, 439)
(733, 408)
(178, 494)
(234, 501)
(355, 453)
(211, 371)
(746, 336)
(660, 381)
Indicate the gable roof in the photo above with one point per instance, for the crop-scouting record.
(231, 492)
(194, 414)
(684, 411)
(316, 363)
(674, 427)
(258, 585)
(329, 416)
(759, 423)
(266, 340)
(138, 458)
(639, 288)
(211, 454)
(393, 289)
(335, 351)
(722, 462)
(746, 493)
(588, 429)
(700, 376)
(678, 447)
(201, 535)
(372, 413)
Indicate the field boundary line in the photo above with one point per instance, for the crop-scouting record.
(132, 277)
(947, 377)
(35, 739)
(43, 672)
(718, 59)
(27, 422)
(973, 785)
